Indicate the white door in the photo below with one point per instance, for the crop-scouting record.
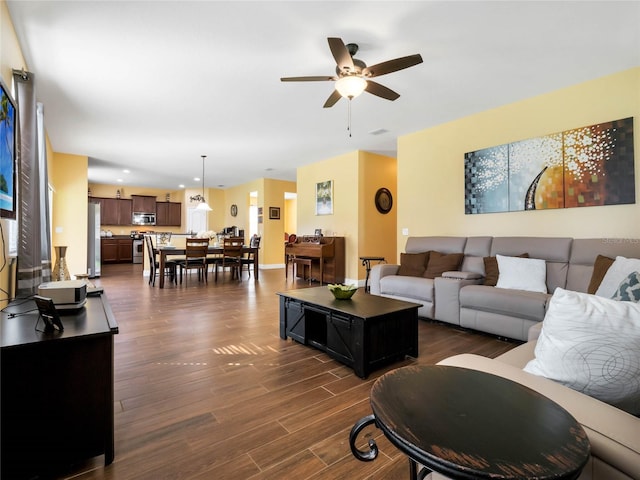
(196, 220)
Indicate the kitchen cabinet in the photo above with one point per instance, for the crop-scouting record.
(114, 211)
(116, 250)
(144, 203)
(168, 214)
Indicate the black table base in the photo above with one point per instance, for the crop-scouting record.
(372, 453)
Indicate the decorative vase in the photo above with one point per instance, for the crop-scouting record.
(60, 270)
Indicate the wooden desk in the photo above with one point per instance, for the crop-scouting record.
(166, 252)
(468, 424)
(57, 390)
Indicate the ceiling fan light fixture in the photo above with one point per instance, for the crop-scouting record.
(351, 86)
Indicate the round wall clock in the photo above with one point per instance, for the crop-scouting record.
(234, 210)
(384, 200)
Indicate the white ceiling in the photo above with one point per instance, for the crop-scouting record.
(150, 86)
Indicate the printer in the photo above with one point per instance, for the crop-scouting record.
(66, 294)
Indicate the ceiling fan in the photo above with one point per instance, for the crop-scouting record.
(353, 76)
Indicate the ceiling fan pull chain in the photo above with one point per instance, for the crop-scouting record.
(349, 118)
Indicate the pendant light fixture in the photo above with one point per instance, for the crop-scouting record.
(203, 205)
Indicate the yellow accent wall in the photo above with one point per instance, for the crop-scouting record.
(270, 194)
(290, 215)
(377, 237)
(68, 178)
(356, 177)
(431, 165)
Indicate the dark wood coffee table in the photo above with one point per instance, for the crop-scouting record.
(365, 332)
(468, 424)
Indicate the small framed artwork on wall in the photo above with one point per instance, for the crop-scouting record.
(324, 198)
(274, 213)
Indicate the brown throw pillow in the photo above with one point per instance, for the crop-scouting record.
(440, 263)
(413, 264)
(491, 272)
(600, 267)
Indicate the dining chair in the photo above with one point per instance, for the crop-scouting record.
(154, 263)
(231, 256)
(249, 257)
(195, 258)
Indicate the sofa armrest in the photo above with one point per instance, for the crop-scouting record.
(447, 295)
(462, 275)
(534, 331)
(379, 271)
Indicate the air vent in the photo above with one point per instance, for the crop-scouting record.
(380, 131)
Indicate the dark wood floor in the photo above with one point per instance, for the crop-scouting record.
(205, 388)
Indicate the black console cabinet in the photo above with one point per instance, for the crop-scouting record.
(57, 390)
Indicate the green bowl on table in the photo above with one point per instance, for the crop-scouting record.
(342, 292)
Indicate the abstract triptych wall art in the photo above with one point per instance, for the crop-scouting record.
(584, 167)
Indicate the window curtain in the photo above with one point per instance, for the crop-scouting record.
(34, 247)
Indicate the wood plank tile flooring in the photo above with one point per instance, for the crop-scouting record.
(206, 389)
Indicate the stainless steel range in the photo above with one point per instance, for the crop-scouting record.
(138, 246)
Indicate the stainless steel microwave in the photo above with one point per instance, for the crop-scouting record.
(140, 218)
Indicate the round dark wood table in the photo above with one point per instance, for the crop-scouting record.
(467, 424)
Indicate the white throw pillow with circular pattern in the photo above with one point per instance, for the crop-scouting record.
(591, 344)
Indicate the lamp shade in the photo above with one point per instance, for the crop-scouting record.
(204, 206)
(351, 86)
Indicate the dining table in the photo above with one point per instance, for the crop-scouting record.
(167, 251)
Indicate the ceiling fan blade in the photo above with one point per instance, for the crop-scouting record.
(307, 79)
(341, 54)
(381, 90)
(392, 65)
(333, 98)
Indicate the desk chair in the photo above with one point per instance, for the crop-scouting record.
(196, 250)
(231, 256)
(154, 264)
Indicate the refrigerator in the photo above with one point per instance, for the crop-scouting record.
(93, 248)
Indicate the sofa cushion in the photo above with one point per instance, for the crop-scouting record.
(413, 264)
(617, 272)
(522, 274)
(629, 289)
(600, 268)
(515, 303)
(441, 262)
(491, 270)
(419, 288)
(592, 345)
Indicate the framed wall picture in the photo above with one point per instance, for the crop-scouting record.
(324, 198)
(274, 213)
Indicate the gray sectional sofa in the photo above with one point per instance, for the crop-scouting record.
(460, 298)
